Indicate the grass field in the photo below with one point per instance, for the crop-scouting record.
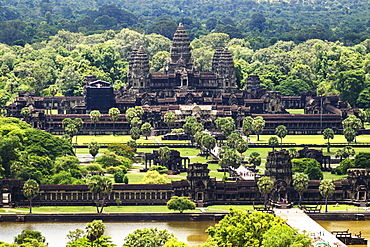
(157, 209)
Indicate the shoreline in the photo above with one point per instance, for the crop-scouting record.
(117, 217)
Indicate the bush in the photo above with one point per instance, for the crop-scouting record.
(112, 159)
(159, 169)
(94, 167)
(113, 169)
(125, 179)
(118, 177)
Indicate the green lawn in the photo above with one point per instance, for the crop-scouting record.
(92, 209)
(157, 209)
(295, 111)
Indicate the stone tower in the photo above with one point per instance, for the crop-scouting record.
(279, 169)
(201, 185)
(138, 71)
(180, 59)
(216, 59)
(223, 66)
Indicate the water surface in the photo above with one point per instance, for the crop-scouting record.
(190, 232)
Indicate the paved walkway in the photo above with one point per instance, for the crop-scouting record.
(296, 218)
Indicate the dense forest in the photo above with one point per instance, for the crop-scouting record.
(262, 23)
(293, 46)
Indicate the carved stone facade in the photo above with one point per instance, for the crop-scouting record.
(279, 169)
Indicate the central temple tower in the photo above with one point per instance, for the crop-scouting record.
(180, 59)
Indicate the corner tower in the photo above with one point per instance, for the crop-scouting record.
(138, 71)
(223, 67)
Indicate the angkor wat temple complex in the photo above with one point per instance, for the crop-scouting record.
(183, 89)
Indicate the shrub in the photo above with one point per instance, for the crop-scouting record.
(113, 169)
(159, 169)
(118, 177)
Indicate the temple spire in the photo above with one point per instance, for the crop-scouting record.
(138, 73)
(180, 52)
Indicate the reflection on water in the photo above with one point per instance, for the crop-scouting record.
(353, 226)
(191, 232)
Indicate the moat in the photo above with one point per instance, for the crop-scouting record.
(191, 232)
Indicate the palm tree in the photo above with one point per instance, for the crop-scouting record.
(146, 130)
(248, 126)
(170, 119)
(31, 190)
(164, 155)
(258, 126)
(95, 116)
(328, 134)
(273, 142)
(349, 134)
(265, 186)
(281, 132)
(94, 148)
(79, 123)
(101, 187)
(300, 184)
(114, 114)
(94, 230)
(26, 113)
(326, 189)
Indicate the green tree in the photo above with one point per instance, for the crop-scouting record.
(328, 134)
(135, 133)
(209, 142)
(114, 115)
(153, 177)
(349, 134)
(226, 125)
(273, 142)
(192, 127)
(169, 118)
(31, 190)
(284, 236)
(101, 187)
(146, 130)
(255, 159)
(345, 152)
(151, 237)
(350, 84)
(362, 160)
(94, 148)
(300, 184)
(248, 126)
(281, 131)
(229, 157)
(265, 186)
(258, 126)
(232, 138)
(95, 117)
(26, 113)
(164, 155)
(293, 153)
(94, 230)
(351, 122)
(241, 146)
(326, 189)
(311, 167)
(33, 238)
(180, 204)
(240, 228)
